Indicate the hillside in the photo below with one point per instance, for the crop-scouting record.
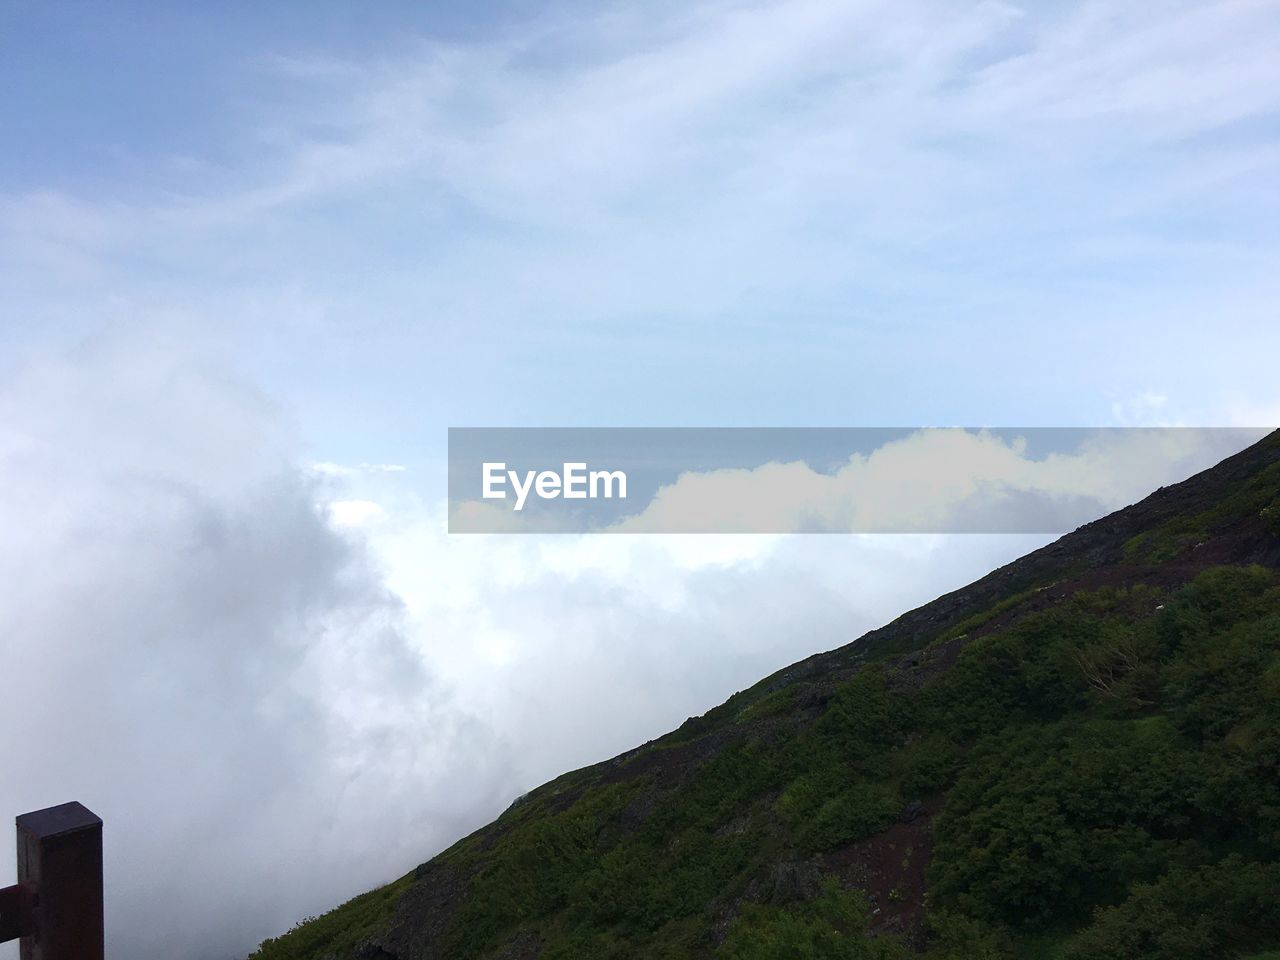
(1077, 757)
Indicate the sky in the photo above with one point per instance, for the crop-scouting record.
(257, 259)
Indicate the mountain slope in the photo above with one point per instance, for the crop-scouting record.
(1076, 756)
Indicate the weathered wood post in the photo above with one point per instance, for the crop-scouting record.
(56, 905)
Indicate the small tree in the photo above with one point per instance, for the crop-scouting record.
(1271, 517)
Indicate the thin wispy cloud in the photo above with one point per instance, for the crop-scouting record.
(817, 106)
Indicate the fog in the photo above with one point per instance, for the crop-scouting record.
(275, 703)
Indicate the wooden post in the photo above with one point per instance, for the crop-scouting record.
(56, 905)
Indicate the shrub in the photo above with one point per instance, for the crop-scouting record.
(1211, 912)
(957, 937)
(1271, 517)
(831, 926)
(861, 811)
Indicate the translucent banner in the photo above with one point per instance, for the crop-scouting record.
(815, 480)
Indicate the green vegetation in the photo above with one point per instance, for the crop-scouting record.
(1270, 517)
(338, 932)
(1177, 536)
(830, 926)
(1101, 778)
(982, 618)
(1210, 911)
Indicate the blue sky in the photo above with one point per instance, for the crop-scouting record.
(763, 214)
(257, 257)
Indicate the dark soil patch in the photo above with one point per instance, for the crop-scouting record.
(890, 869)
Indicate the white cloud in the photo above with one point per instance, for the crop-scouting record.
(739, 125)
(1017, 189)
(355, 513)
(206, 664)
(1148, 408)
(271, 717)
(1244, 412)
(326, 468)
(940, 480)
(580, 646)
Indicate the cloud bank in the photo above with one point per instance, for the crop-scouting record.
(195, 654)
(940, 481)
(273, 711)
